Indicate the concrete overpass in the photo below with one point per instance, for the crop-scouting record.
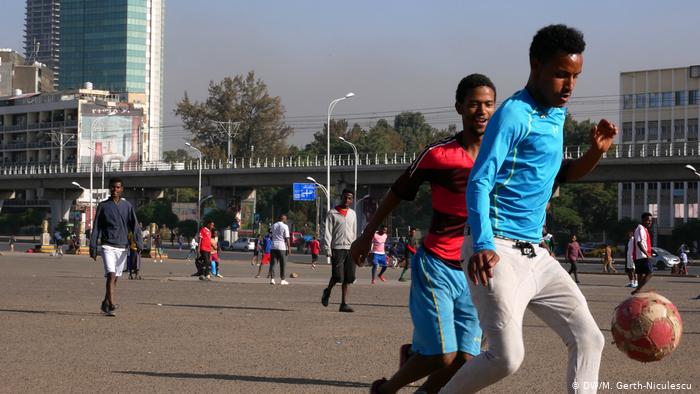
(663, 162)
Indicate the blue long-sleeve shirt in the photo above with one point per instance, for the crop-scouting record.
(513, 175)
(112, 225)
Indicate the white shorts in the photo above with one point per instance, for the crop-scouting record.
(114, 259)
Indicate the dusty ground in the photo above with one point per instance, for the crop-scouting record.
(239, 334)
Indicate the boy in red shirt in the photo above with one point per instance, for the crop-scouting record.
(315, 249)
(205, 249)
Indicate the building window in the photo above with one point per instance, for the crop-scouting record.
(679, 211)
(692, 186)
(665, 185)
(654, 100)
(652, 185)
(665, 130)
(626, 186)
(627, 101)
(693, 129)
(680, 98)
(666, 99)
(693, 210)
(640, 100)
(653, 130)
(639, 131)
(679, 129)
(653, 209)
(692, 97)
(639, 186)
(627, 132)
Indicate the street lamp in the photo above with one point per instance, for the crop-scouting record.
(92, 148)
(199, 194)
(354, 149)
(328, 198)
(691, 168)
(328, 148)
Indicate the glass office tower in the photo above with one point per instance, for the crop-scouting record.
(116, 45)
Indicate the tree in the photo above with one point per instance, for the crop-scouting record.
(188, 228)
(221, 217)
(159, 212)
(176, 156)
(577, 133)
(243, 99)
(414, 132)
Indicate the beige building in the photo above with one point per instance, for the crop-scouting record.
(659, 110)
(71, 127)
(16, 74)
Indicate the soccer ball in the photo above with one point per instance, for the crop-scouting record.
(647, 327)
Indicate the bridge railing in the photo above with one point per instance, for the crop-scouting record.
(344, 160)
(618, 151)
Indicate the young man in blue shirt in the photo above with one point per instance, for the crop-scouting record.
(509, 187)
(114, 219)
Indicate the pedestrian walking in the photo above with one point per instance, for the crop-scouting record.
(608, 261)
(12, 241)
(629, 260)
(573, 254)
(205, 234)
(193, 248)
(114, 218)
(315, 249)
(341, 227)
(265, 250)
(280, 249)
(157, 248)
(409, 252)
(379, 253)
(642, 252)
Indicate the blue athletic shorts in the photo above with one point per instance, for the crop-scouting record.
(379, 259)
(444, 317)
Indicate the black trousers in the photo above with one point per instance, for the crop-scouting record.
(275, 256)
(574, 269)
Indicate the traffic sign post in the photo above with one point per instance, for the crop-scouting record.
(304, 192)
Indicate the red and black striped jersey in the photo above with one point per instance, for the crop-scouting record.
(446, 165)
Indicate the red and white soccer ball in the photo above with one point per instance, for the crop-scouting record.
(647, 327)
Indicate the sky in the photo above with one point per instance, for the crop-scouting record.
(399, 55)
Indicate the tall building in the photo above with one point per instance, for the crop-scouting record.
(16, 74)
(660, 110)
(117, 45)
(41, 36)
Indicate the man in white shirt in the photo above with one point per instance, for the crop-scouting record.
(280, 248)
(341, 231)
(642, 252)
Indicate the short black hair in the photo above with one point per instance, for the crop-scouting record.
(114, 180)
(552, 39)
(348, 191)
(646, 215)
(470, 82)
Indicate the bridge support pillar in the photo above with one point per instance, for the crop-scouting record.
(60, 203)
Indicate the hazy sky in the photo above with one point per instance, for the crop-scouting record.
(400, 55)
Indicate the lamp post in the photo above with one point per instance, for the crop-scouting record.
(92, 148)
(354, 194)
(328, 148)
(82, 249)
(92, 156)
(328, 197)
(199, 188)
(691, 168)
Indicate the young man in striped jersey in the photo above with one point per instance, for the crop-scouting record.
(446, 328)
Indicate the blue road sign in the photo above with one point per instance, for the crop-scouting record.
(304, 191)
